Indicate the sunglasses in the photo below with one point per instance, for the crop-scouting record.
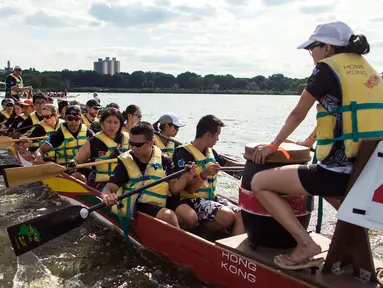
(139, 116)
(9, 105)
(73, 117)
(96, 108)
(47, 116)
(137, 144)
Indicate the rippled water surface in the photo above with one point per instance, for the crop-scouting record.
(94, 256)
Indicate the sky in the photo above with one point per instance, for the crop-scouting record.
(243, 38)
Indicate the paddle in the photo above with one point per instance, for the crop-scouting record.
(239, 172)
(30, 234)
(23, 175)
(6, 166)
(23, 128)
(5, 141)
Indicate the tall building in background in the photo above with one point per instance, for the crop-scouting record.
(107, 66)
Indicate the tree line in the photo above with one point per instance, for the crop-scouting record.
(140, 81)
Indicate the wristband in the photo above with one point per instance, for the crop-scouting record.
(274, 148)
(284, 152)
(200, 177)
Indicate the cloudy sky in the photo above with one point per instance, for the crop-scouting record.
(239, 37)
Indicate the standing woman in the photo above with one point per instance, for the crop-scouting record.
(341, 80)
(106, 144)
(133, 115)
(169, 126)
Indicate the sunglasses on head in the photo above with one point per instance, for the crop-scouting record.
(73, 117)
(137, 144)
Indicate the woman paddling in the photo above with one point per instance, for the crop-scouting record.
(133, 115)
(50, 124)
(169, 126)
(106, 144)
(342, 81)
(17, 111)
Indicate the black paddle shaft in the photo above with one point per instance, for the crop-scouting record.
(236, 174)
(35, 232)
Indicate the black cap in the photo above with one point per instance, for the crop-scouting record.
(74, 109)
(93, 103)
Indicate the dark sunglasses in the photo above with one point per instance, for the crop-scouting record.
(315, 44)
(139, 116)
(96, 108)
(73, 117)
(9, 105)
(137, 144)
(47, 116)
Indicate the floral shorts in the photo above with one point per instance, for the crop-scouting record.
(207, 209)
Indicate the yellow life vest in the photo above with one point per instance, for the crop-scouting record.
(19, 84)
(23, 116)
(362, 105)
(70, 146)
(104, 171)
(156, 195)
(123, 129)
(6, 114)
(35, 120)
(202, 161)
(86, 121)
(48, 131)
(168, 150)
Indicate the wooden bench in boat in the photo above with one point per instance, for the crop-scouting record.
(349, 245)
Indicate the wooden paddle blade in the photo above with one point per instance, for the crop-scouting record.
(35, 232)
(7, 166)
(23, 175)
(5, 141)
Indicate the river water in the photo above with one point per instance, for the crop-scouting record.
(93, 256)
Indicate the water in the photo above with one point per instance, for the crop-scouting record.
(93, 256)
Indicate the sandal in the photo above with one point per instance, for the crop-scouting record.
(304, 263)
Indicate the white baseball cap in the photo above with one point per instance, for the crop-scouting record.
(170, 118)
(333, 33)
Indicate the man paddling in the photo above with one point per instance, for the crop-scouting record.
(39, 101)
(213, 211)
(142, 165)
(92, 108)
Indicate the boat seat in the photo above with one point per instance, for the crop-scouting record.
(350, 243)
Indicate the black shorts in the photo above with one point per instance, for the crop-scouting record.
(149, 209)
(317, 180)
(173, 202)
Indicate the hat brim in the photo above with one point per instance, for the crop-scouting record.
(179, 124)
(305, 44)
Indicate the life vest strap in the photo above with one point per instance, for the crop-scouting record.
(359, 135)
(352, 107)
(165, 150)
(355, 135)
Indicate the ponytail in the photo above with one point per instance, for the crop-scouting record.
(358, 44)
(155, 126)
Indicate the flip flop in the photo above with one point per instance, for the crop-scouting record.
(302, 264)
